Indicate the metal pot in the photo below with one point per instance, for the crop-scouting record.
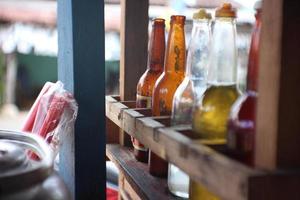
(24, 179)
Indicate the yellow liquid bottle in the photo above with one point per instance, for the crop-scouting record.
(210, 119)
(212, 111)
(198, 192)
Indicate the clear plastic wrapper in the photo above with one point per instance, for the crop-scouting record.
(52, 115)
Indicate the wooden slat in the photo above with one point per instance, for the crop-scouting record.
(210, 168)
(114, 110)
(124, 139)
(136, 174)
(130, 116)
(128, 190)
(146, 133)
(134, 41)
(112, 130)
(278, 138)
(108, 101)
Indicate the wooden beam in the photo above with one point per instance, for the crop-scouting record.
(81, 68)
(134, 42)
(278, 138)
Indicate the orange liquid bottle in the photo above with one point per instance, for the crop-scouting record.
(167, 84)
(156, 54)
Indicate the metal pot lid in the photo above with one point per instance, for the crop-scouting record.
(12, 157)
(17, 172)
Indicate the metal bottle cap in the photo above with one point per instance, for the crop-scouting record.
(226, 10)
(202, 14)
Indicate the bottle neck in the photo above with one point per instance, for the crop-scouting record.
(156, 50)
(175, 54)
(222, 66)
(253, 62)
(198, 50)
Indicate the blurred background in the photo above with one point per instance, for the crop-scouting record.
(28, 46)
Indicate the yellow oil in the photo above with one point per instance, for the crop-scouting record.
(211, 115)
(198, 192)
(210, 122)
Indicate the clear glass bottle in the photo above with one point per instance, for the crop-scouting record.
(189, 91)
(241, 125)
(167, 84)
(212, 112)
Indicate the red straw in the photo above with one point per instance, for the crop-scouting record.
(52, 119)
(29, 122)
(53, 116)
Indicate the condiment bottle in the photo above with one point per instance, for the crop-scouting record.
(211, 114)
(167, 83)
(190, 90)
(241, 125)
(156, 54)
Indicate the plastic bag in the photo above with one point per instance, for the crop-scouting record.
(52, 115)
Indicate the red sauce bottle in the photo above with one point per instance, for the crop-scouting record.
(241, 125)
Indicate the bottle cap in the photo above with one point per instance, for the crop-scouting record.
(202, 14)
(258, 5)
(226, 10)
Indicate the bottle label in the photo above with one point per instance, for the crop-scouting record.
(143, 101)
(163, 110)
(137, 145)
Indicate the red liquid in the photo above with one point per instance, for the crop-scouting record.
(241, 128)
(241, 125)
(140, 151)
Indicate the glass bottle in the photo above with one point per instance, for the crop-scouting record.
(156, 54)
(189, 91)
(167, 84)
(211, 113)
(241, 125)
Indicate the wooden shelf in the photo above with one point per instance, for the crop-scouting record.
(210, 165)
(137, 183)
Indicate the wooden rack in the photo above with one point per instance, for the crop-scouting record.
(277, 140)
(211, 165)
(135, 182)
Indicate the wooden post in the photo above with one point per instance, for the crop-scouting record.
(278, 116)
(81, 69)
(134, 42)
